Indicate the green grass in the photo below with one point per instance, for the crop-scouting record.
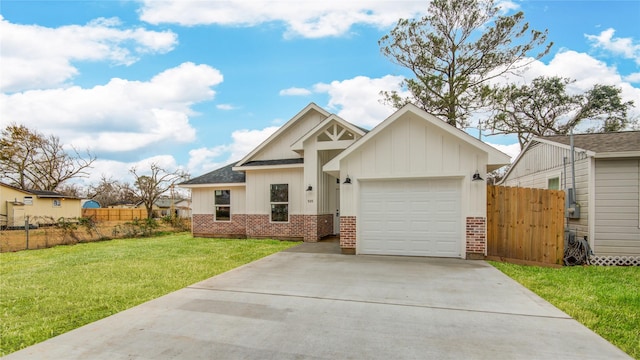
(604, 299)
(44, 293)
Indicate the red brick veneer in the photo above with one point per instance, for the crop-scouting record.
(476, 237)
(348, 234)
(204, 225)
(309, 228)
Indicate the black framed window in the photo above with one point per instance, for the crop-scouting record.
(223, 205)
(279, 196)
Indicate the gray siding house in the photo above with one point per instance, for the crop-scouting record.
(607, 182)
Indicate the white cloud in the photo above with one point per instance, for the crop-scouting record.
(311, 19)
(633, 78)
(39, 57)
(624, 47)
(586, 70)
(358, 100)
(225, 107)
(512, 149)
(120, 116)
(295, 91)
(203, 160)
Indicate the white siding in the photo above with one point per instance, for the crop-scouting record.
(259, 185)
(544, 161)
(280, 148)
(617, 197)
(203, 199)
(412, 148)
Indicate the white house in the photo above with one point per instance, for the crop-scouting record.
(404, 188)
(607, 185)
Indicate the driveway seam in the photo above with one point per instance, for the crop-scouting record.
(382, 303)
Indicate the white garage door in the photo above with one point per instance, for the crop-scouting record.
(410, 217)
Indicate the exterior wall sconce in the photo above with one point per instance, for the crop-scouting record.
(347, 180)
(309, 188)
(477, 177)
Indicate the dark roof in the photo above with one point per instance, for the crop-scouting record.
(41, 193)
(274, 162)
(47, 194)
(224, 175)
(601, 142)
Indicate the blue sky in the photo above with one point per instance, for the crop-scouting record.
(198, 84)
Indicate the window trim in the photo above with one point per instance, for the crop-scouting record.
(216, 205)
(555, 176)
(272, 203)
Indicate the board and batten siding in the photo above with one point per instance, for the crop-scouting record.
(258, 198)
(617, 206)
(542, 162)
(281, 147)
(203, 199)
(411, 148)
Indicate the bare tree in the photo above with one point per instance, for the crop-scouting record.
(454, 50)
(149, 188)
(32, 161)
(545, 108)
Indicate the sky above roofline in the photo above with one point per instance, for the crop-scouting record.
(196, 85)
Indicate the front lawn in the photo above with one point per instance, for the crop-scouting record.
(44, 293)
(604, 299)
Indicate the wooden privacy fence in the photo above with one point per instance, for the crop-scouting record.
(525, 225)
(114, 214)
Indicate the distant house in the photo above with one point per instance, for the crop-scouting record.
(90, 204)
(41, 207)
(165, 205)
(407, 187)
(607, 185)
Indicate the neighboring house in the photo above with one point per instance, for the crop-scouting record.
(404, 188)
(42, 207)
(607, 182)
(163, 207)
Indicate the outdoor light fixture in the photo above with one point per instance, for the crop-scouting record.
(476, 177)
(309, 188)
(347, 180)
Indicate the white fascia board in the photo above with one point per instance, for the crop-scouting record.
(267, 167)
(283, 128)
(226, 185)
(617, 154)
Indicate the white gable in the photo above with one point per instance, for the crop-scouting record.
(278, 145)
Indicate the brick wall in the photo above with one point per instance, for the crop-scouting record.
(309, 228)
(261, 226)
(476, 237)
(205, 226)
(317, 226)
(348, 234)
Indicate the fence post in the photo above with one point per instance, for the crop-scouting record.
(26, 229)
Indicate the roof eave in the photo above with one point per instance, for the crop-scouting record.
(267, 167)
(617, 154)
(209, 185)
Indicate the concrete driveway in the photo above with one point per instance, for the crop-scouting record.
(308, 303)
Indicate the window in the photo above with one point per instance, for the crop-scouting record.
(279, 202)
(56, 203)
(223, 205)
(28, 200)
(553, 183)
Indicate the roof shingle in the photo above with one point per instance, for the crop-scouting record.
(601, 142)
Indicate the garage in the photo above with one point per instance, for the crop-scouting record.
(418, 217)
